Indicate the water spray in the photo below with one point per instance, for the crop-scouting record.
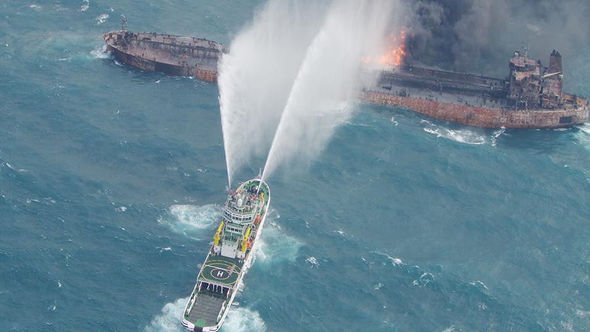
(291, 75)
(328, 80)
(255, 77)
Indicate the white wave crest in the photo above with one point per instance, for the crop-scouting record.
(238, 319)
(100, 19)
(85, 5)
(465, 136)
(100, 52)
(192, 220)
(425, 279)
(496, 134)
(243, 320)
(583, 135)
(20, 170)
(582, 313)
(169, 319)
(479, 285)
(395, 261)
(449, 329)
(312, 261)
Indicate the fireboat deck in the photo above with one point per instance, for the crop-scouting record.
(223, 270)
(206, 310)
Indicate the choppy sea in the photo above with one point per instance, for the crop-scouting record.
(112, 179)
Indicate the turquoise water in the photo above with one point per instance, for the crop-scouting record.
(111, 182)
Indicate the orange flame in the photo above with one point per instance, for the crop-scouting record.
(394, 57)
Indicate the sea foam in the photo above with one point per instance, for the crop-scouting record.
(276, 246)
(100, 52)
(85, 5)
(238, 319)
(395, 261)
(243, 320)
(169, 318)
(583, 135)
(192, 221)
(100, 19)
(465, 136)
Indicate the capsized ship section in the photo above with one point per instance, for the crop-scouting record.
(229, 257)
(169, 54)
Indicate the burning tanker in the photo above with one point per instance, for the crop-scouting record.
(530, 97)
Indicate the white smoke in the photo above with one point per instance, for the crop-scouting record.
(256, 76)
(329, 79)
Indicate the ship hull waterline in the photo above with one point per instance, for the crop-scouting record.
(482, 117)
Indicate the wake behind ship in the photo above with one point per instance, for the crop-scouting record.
(229, 257)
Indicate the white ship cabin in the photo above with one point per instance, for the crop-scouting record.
(234, 232)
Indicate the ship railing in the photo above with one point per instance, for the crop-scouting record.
(238, 217)
(198, 48)
(222, 310)
(177, 40)
(192, 301)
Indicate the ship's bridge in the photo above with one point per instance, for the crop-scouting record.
(238, 216)
(241, 208)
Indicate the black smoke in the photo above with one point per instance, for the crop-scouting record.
(480, 35)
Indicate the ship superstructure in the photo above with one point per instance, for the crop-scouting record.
(229, 257)
(531, 96)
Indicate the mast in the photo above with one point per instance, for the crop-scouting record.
(123, 23)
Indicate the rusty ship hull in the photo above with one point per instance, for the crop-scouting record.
(169, 54)
(469, 99)
(484, 117)
(531, 97)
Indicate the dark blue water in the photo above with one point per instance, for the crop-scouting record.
(111, 181)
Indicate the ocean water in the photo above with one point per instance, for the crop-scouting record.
(111, 181)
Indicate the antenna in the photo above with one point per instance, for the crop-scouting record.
(525, 48)
(123, 23)
(259, 180)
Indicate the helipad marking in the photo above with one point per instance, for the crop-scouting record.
(219, 274)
